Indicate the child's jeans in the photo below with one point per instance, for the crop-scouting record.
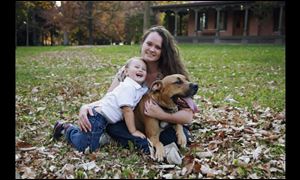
(120, 133)
(81, 140)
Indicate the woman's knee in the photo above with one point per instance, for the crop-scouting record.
(168, 135)
(142, 144)
(120, 133)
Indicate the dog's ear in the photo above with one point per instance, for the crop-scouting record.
(156, 85)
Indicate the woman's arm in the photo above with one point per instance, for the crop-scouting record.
(129, 120)
(86, 109)
(114, 84)
(120, 76)
(83, 120)
(183, 116)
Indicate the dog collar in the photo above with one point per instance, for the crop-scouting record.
(166, 109)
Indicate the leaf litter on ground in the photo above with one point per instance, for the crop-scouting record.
(229, 143)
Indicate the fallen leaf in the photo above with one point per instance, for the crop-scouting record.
(204, 154)
(28, 173)
(88, 165)
(256, 153)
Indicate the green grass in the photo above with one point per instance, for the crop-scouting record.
(60, 79)
(247, 73)
(67, 77)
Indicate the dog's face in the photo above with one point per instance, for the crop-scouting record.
(172, 87)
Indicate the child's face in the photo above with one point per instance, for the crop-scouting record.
(137, 70)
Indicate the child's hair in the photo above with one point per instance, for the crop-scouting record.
(121, 74)
(133, 58)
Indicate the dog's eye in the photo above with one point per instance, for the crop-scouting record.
(178, 81)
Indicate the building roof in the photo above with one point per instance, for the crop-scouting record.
(196, 4)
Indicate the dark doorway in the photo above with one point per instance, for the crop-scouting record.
(238, 23)
(170, 22)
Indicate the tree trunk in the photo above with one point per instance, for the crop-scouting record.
(66, 40)
(90, 21)
(27, 31)
(146, 16)
(16, 32)
(33, 29)
(16, 38)
(51, 38)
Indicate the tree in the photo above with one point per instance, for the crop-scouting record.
(79, 22)
(133, 28)
(22, 20)
(109, 20)
(69, 11)
(134, 21)
(30, 20)
(38, 21)
(90, 21)
(146, 15)
(262, 10)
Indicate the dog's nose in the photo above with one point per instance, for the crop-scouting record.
(194, 86)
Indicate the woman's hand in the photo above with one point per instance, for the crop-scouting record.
(154, 110)
(183, 116)
(83, 121)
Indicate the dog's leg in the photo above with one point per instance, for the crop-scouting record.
(181, 139)
(159, 148)
(152, 131)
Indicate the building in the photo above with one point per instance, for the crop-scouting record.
(225, 21)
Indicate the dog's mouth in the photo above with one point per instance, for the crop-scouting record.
(185, 102)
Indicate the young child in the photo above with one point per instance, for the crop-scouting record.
(113, 107)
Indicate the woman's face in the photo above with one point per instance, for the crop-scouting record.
(151, 47)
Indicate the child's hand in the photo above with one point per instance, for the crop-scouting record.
(138, 133)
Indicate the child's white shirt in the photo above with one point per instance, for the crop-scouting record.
(127, 93)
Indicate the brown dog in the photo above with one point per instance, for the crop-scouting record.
(165, 93)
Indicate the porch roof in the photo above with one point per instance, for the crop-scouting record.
(197, 4)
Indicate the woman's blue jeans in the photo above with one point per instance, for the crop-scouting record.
(120, 133)
(81, 140)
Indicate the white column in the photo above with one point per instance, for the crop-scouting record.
(196, 22)
(280, 19)
(245, 21)
(175, 28)
(218, 22)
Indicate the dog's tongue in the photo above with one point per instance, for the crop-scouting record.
(191, 104)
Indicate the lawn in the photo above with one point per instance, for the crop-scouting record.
(241, 120)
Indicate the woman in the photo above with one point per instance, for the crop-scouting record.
(161, 54)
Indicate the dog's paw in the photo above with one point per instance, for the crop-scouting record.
(160, 154)
(159, 157)
(181, 141)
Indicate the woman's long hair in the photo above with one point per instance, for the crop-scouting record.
(170, 60)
